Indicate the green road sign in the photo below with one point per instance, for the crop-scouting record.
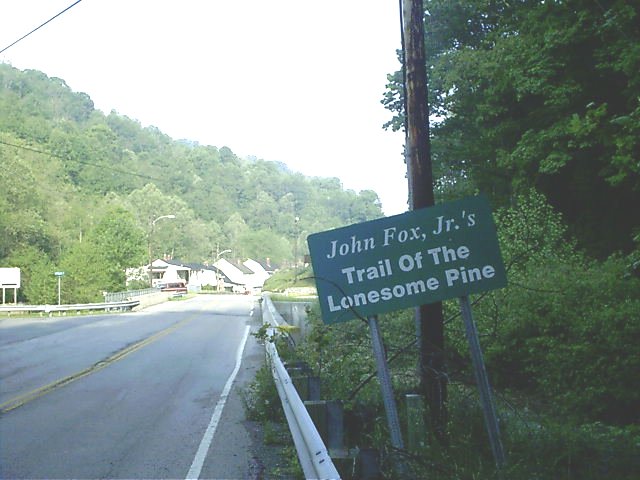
(415, 258)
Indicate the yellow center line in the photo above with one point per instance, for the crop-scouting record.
(62, 382)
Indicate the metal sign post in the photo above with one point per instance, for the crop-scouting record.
(385, 383)
(482, 379)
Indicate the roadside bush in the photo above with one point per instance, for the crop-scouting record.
(574, 341)
(566, 331)
(342, 355)
(260, 398)
(537, 447)
(542, 448)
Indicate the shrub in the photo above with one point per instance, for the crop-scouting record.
(566, 329)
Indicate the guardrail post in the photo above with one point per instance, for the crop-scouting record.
(313, 387)
(308, 387)
(318, 412)
(368, 464)
(301, 384)
(335, 420)
(416, 430)
(328, 417)
(343, 458)
(299, 367)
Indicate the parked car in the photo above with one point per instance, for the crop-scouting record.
(173, 287)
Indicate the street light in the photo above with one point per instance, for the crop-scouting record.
(151, 227)
(295, 249)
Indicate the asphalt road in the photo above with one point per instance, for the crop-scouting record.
(151, 395)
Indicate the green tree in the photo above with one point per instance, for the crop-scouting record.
(366, 206)
(200, 242)
(167, 235)
(263, 244)
(121, 242)
(234, 229)
(539, 94)
(21, 206)
(88, 273)
(264, 211)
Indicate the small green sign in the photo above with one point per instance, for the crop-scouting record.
(415, 258)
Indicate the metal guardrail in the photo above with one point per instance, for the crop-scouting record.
(129, 294)
(312, 452)
(70, 308)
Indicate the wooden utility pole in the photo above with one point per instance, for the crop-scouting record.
(429, 318)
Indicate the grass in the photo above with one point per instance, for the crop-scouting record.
(290, 279)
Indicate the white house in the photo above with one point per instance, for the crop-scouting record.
(233, 273)
(162, 271)
(202, 275)
(259, 275)
(249, 274)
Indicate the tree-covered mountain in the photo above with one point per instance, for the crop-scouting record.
(80, 191)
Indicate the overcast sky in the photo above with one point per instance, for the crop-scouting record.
(294, 81)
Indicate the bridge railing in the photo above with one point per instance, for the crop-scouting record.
(128, 304)
(128, 295)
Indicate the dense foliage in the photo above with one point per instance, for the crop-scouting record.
(565, 327)
(79, 191)
(542, 94)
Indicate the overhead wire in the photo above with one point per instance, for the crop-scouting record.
(104, 167)
(39, 27)
(82, 162)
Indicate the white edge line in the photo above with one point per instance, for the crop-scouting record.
(205, 443)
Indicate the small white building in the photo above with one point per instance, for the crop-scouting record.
(162, 271)
(204, 275)
(222, 275)
(165, 271)
(259, 275)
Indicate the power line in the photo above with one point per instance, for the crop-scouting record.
(104, 167)
(39, 27)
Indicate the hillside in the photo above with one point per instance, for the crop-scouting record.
(79, 190)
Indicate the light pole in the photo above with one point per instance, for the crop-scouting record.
(295, 249)
(151, 227)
